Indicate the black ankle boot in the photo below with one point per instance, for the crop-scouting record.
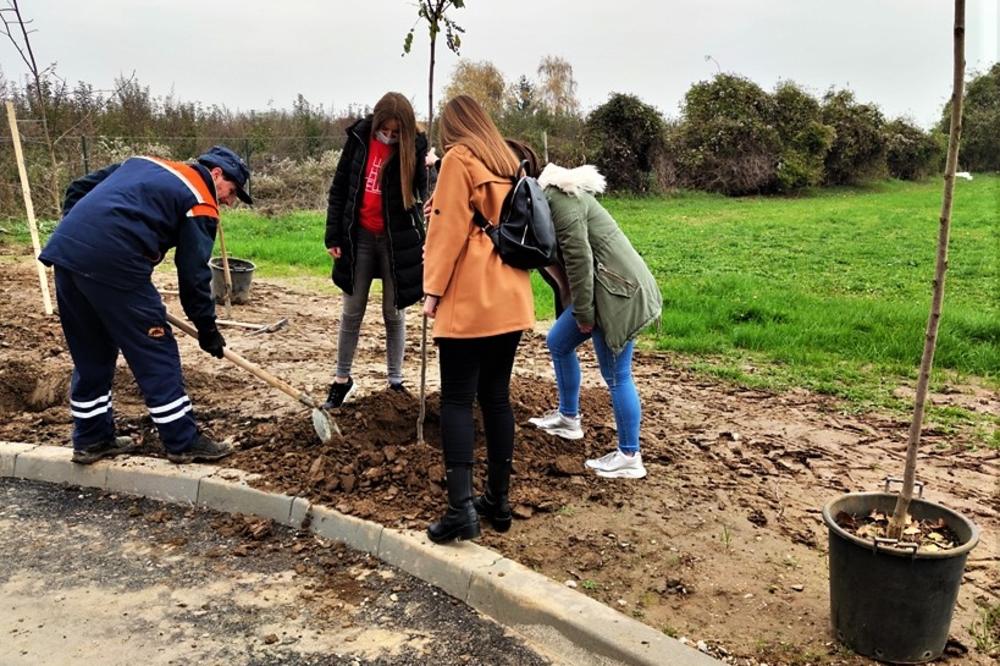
(461, 520)
(494, 504)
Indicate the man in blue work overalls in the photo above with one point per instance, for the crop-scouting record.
(117, 225)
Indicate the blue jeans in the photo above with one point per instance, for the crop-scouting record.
(563, 339)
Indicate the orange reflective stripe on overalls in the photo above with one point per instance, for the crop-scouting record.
(192, 179)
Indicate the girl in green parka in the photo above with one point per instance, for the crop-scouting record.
(609, 295)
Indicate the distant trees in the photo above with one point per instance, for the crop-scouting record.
(735, 138)
(980, 122)
(91, 128)
(727, 140)
(857, 153)
(480, 80)
(14, 26)
(542, 111)
(731, 136)
(627, 137)
(556, 89)
(805, 139)
(910, 152)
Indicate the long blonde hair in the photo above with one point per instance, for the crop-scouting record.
(394, 106)
(464, 123)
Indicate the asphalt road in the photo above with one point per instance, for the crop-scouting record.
(87, 577)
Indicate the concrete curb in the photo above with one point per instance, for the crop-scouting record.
(492, 584)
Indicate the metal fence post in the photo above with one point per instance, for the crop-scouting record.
(86, 155)
(246, 158)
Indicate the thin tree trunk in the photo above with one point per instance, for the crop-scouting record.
(430, 95)
(422, 415)
(930, 339)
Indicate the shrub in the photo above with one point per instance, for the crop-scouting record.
(727, 139)
(912, 153)
(279, 185)
(626, 136)
(857, 153)
(980, 121)
(666, 168)
(564, 133)
(805, 139)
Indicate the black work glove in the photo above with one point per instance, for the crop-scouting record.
(210, 340)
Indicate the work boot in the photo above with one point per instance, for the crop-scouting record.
(203, 449)
(461, 520)
(338, 393)
(494, 503)
(106, 449)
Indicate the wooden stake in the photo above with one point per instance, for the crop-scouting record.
(228, 277)
(29, 208)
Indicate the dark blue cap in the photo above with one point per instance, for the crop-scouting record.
(232, 165)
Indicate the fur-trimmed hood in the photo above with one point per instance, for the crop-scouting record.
(584, 178)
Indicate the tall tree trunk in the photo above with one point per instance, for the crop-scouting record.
(930, 338)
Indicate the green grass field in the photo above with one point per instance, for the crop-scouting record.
(829, 291)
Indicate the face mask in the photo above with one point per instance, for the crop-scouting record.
(385, 138)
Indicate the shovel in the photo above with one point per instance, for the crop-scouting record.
(323, 423)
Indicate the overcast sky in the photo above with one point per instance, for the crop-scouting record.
(252, 54)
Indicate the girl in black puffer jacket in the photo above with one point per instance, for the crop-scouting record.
(375, 229)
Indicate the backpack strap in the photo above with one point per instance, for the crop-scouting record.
(481, 221)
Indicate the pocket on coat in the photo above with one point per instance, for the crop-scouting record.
(614, 283)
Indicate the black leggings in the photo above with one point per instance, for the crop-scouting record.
(471, 368)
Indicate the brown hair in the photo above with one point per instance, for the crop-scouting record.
(464, 123)
(394, 106)
(525, 153)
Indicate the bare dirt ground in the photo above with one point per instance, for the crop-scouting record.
(722, 543)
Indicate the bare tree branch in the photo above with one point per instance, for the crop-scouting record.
(98, 107)
(28, 55)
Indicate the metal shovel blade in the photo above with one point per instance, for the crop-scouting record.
(324, 426)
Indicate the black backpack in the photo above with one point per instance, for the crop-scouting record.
(525, 236)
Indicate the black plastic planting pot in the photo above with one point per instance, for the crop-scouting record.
(888, 602)
(241, 273)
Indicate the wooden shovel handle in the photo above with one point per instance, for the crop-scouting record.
(227, 276)
(254, 370)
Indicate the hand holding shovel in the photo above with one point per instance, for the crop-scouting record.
(323, 423)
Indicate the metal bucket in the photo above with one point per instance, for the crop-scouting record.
(890, 603)
(241, 272)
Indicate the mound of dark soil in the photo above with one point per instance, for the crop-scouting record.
(380, 471)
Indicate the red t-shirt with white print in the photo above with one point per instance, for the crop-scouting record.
(371, 204)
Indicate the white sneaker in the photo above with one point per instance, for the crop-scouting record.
(556, 423)
(617, 465)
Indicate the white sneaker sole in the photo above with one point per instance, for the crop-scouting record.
(562, 432)
(626, 473)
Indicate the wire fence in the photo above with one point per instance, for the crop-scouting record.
(287, 171)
